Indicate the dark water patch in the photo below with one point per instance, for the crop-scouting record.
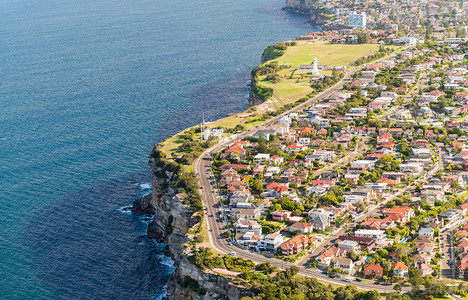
(84, 247)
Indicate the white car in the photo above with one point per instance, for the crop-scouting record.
(232, 253)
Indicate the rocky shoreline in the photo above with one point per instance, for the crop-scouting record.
(171, 224)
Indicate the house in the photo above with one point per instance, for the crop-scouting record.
(422, 152)
(451, 215)
(366, 244)
(426, 232)
(296, 244)
(373, 271)
(413, 169)
(243, 226)
(322, 132)
(344, 264)
(376, 235)
(321, 155)
(295, 148)
(425, 270)
(281, 215)
(463, 208)
(408, 212)
(277, 160)
(321, 222)
(400, 269)
(462, 267)
(270, 242)
(235, 149)
(302, 227)
(328, 254)
(349, 246)
(261, 158)
(228, 176)
(246, 213)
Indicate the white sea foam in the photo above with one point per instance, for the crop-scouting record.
(127, 209)
(162, 295)
(145, 186)
(166, 260)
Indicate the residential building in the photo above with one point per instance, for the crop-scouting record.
(373, 270)
(296, 244)
(270, 242)
(376, 235)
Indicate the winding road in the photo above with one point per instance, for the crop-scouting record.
(215, 224)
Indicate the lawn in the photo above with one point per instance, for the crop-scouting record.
(327, 54)
(293, 84)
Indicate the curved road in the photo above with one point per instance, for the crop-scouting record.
(216, 226)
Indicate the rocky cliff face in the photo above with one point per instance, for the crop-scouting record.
(171, 223)
(303, 6)
(317, 19)
(254, 99)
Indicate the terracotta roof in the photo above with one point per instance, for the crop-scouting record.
(399, 266)
(235, 148)
(373, 267)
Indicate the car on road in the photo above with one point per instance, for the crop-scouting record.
(232, 253)
(358, 279)
(347, 280)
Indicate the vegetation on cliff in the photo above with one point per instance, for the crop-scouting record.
(267, 282)
(274, 51)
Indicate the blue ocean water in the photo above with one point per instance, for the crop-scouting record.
(86, 89)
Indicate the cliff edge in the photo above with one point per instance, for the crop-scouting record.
(172, 222)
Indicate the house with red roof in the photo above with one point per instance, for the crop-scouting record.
(303, 227)
(322, 132)
(373, 271)
(400, 269)
(462, 268)
(429, 133)
(408, 212)
(295, 148)
(384, 138)
(327, 255)
(296, 244)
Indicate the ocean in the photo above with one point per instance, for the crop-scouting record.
(86, 89)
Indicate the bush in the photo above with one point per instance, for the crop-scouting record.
(238, 264)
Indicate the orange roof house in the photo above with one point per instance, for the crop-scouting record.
(373, 270)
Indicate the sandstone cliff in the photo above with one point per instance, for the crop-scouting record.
(172, 221)
(254, 99)
(303, 6)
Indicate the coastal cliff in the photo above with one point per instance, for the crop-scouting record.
(172, 222)
(254, 99)
(319, 16)
(303, 6)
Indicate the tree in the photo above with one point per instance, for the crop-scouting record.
(262, 147)
(256, 185)
(397, 288)
(415, 277)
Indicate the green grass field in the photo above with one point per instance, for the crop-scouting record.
(327, 54)
(293, 85)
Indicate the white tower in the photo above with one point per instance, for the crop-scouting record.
(315, 67)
